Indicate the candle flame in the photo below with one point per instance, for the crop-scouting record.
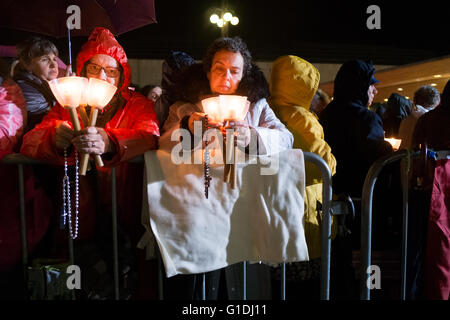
(395, 143)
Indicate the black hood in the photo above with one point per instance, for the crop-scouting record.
(397, 108)
(194, 84)
(353, 80)
(173, 66)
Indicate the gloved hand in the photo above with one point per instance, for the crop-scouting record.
(63, 135)
(93, 140)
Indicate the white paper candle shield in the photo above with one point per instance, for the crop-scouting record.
(68, 90)
(211, 106)
(233, 107)
(226, 107)
(99, 93)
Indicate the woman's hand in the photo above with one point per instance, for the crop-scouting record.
(63, 135)
(199, 116)
(241, 131)
(93, 140)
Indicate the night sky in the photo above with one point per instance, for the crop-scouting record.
(319, 31)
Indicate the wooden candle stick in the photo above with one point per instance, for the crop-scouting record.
(74, 119)
(99, 94)
(92, 123)
(85, 157)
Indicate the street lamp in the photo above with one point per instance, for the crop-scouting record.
(222, 19)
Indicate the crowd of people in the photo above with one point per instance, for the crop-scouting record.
(343, 131)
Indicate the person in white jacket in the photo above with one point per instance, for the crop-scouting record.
(227, 69)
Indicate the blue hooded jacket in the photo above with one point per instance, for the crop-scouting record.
(354, 133)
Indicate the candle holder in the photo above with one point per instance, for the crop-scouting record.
(395, 143)
(224, 108)
(68, 92)
(98, 95)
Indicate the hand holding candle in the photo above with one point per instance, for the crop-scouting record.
(72, 92)
(92, 140)
(199, 116)
(230, 110)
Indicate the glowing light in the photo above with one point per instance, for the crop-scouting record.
(234, 21)
(214, 18)
(395, 143)
(220, 23)
(227, 16)
(400, 89)
(226, 107)
(100, 92)
(233, 107)
(68, 91)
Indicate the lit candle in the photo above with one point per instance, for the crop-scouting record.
(99, 93)
(233, 106)
(68, 92)
(395, 143)
(211, 106)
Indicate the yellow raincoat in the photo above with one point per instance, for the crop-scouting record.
(293, 83)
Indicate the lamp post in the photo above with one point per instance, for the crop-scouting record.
(223, 19)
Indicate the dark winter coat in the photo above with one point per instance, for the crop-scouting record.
(397, 108)
(354, 133)
(38, 95)
(172, 67)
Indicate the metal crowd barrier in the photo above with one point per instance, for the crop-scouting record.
(366, 218)
(326, 223)
(20, 161)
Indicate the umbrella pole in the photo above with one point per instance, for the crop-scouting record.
(70, 48)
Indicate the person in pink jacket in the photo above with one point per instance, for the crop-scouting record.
(13, 119)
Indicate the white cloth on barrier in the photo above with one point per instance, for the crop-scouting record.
(260, 220)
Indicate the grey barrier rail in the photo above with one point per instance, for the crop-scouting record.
(20, 161)
(366, 216)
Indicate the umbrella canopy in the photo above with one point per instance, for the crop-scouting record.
(52, 17)
(49, 17)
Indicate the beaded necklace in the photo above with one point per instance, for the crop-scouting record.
(67, 199)
(206, 168)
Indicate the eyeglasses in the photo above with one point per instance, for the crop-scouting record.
(96, 69)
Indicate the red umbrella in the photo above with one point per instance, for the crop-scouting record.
(52, 17)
